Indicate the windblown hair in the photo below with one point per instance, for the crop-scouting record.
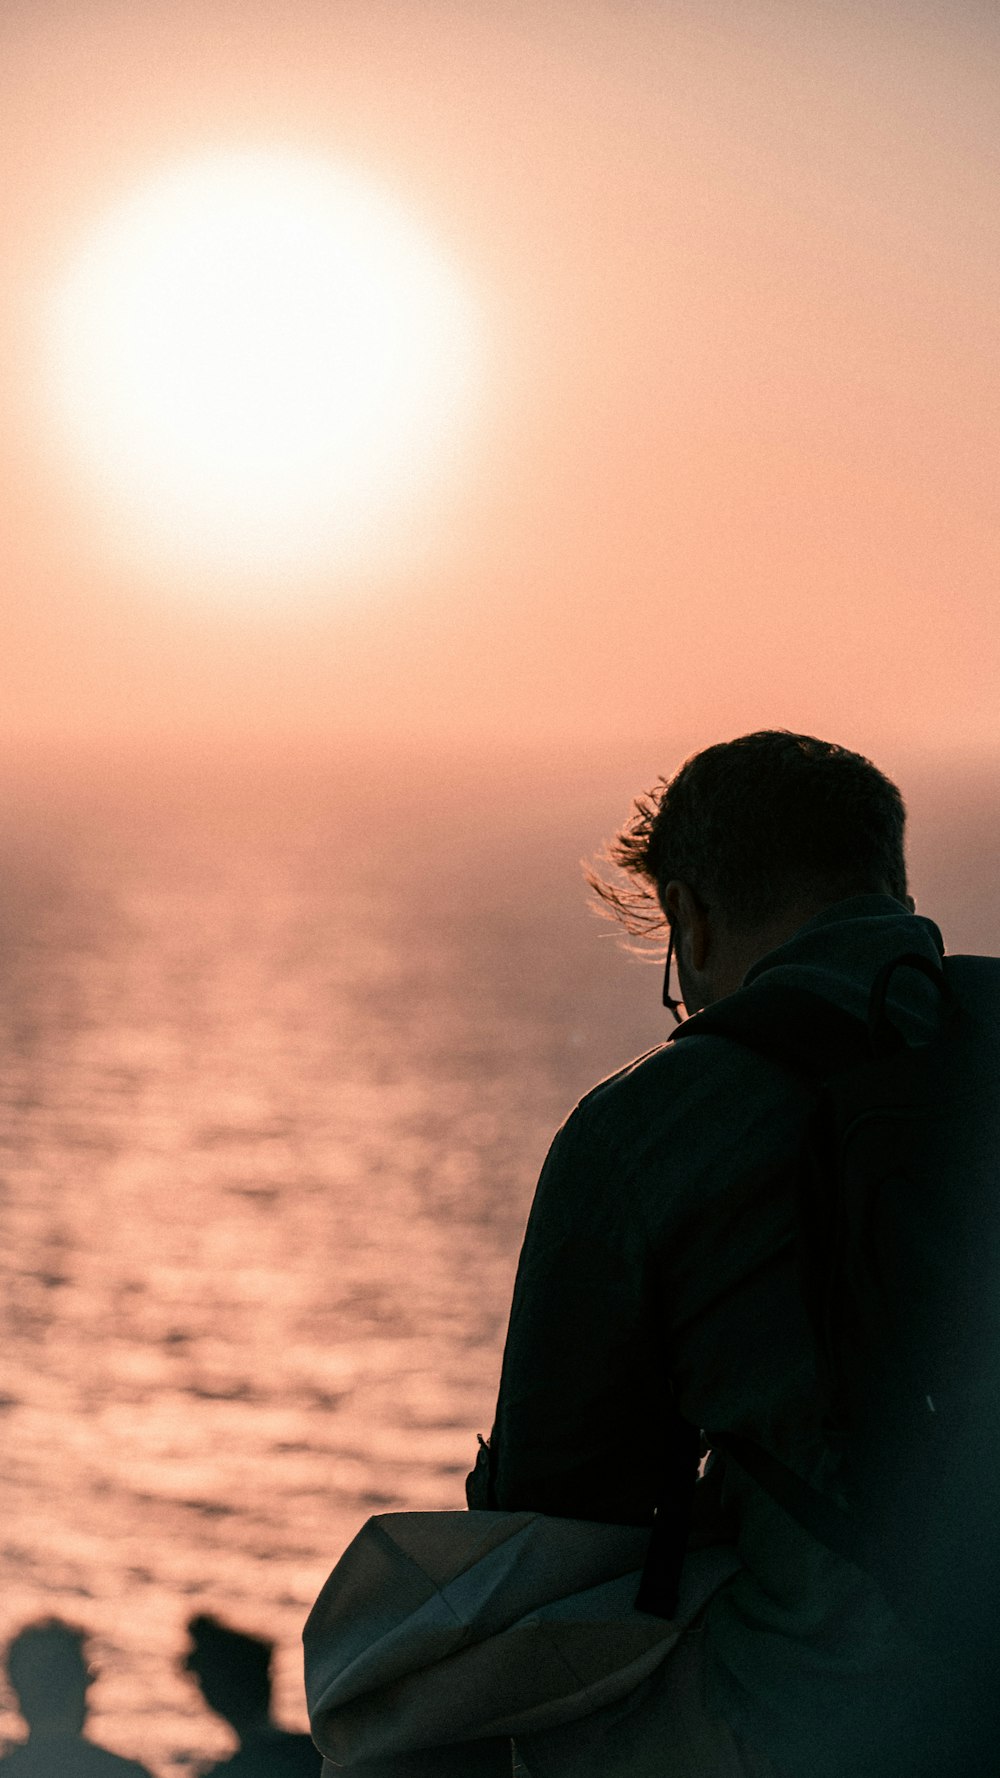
(754, 826)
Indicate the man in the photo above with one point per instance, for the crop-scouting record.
(50, 1676)
(233, 1674)
(657, 1290)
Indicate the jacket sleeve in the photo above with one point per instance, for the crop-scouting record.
(585, 1426)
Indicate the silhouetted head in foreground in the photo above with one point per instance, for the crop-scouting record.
(233, 1672)
(49, 1675)
(745, 843)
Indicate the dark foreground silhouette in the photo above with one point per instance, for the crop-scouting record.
(233, 1672)
(49, 1675)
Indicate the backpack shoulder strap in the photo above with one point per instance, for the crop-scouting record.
(816, 1040)
(817, 1513)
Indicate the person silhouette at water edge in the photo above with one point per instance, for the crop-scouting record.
(659, 1292)
(736, 1517)
(233, 1674)
(49, 1675)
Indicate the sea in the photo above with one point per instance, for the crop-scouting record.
(284, 1034)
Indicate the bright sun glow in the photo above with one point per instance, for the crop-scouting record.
(262, 365)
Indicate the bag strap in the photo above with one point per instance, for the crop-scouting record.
(815, 1040)
(661, 1573)
(817, 1513)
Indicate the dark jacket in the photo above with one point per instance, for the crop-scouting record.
(656, 1292)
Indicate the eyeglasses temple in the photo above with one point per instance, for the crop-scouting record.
(670, 1002)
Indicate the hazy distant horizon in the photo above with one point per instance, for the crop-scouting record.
(562, 798)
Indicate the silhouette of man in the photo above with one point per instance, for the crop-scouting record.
(49, 1675)
(657, 1290)
(233, 1672)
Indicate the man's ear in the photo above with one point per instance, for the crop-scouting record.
(687, 915)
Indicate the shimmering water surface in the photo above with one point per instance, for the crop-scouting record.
(282, 1051)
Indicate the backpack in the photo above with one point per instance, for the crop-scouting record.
(898, 1238)
(437, 1631)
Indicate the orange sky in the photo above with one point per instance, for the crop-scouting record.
(735, 463)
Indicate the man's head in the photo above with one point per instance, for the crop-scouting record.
(747, 841)
(48, 1672)
(233, 1671)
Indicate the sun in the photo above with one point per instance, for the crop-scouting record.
(260, 365)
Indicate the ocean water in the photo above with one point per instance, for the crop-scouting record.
(282, 1044)
(279, 1059)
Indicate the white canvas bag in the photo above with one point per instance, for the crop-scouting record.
(439, 1628)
